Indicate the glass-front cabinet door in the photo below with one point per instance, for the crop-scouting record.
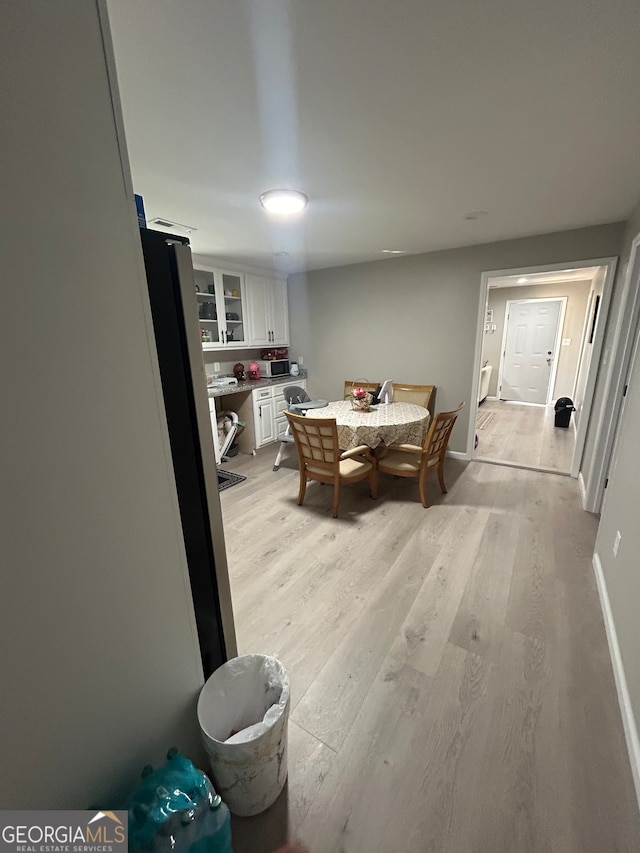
(221, 310)
(232, 287)
(207, 308)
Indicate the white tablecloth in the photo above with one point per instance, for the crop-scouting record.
(394, 423)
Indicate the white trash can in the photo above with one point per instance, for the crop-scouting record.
(243, 712)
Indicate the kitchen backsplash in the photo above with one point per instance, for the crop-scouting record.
(227, 358)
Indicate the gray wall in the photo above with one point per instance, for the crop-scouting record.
(577, 293)
(620, 512)
(414, 318)
(100, 664)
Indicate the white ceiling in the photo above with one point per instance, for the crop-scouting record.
(396, 118)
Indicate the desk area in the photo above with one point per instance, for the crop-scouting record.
(260, 406)
(393, 423)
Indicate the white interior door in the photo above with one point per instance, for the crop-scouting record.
(529, 352)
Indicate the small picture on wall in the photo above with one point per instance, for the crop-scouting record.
(489, 317)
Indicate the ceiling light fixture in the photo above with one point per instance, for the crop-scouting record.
(522, 280)
(392, 251)
(284, 202)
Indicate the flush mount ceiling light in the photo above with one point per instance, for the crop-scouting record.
(392, 252)
(284, 202)
(522, 280)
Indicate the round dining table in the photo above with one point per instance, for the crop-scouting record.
(390, 423)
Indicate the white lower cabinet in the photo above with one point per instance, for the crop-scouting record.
(269, 406)
(263, 416)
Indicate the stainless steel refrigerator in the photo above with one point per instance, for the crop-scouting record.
(171, 285)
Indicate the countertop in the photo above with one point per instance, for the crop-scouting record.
(252, 384)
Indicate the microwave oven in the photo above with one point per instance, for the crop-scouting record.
(273, 369)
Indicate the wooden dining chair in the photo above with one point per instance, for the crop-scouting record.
(320, 458)
(409, 460)
(419, 394)
(368, 386)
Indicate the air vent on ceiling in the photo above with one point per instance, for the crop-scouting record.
(176, 226)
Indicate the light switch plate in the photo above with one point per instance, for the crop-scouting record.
(566, 342)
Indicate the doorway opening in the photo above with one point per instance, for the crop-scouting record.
(540, 333)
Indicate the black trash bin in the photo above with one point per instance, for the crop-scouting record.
(563, 408)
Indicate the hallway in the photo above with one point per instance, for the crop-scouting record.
(518, 434)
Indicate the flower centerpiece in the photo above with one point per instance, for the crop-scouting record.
(360, 399)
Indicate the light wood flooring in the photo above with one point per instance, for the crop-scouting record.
(451, 684)
(523, 435)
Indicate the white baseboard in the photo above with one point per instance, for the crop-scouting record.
(626, 709)
(457, 454)
(583, 490)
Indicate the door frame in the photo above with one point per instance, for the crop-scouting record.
(584, 337)
(626, 329)
(556, 343)
(609, 264)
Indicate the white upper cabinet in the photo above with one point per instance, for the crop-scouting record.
(232, 285)
(257, 303)
(268, 313)
(221, 308)
(239, 310)
(279, 312)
